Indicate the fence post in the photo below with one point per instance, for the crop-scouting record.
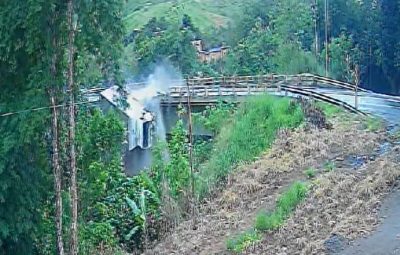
(357, 81)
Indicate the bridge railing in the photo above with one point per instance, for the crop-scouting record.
(261, 80)
(252, 85)
(270, 79)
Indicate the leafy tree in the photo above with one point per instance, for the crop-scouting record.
(33, 68)
(253, 54)
(344, 55)
(173, 44)
(292, 22)
(291, 59)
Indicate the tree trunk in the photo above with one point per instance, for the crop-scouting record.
(57, 171)
(71, 89)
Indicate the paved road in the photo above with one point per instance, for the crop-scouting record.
(386, 239)
(371, 103)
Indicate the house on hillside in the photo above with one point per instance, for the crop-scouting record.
(139, 122)
(211, 55)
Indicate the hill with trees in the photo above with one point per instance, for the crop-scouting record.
(63, 189)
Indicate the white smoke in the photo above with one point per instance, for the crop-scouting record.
(158, 83)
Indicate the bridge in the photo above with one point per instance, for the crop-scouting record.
(204, 91)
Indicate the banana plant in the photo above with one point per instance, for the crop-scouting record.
(139, 212)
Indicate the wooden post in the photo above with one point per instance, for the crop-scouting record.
(357, 81)
(356, 97)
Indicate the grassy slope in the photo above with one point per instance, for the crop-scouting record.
(244, 137)
(205, 13)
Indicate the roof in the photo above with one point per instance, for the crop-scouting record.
(215, 49)
(135, 109)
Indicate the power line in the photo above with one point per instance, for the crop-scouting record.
(40, 109)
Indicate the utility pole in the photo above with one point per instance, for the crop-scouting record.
(315, 11)
(190, 129)
(326, 37)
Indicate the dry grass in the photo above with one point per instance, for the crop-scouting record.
(256, 187)
(341, 203)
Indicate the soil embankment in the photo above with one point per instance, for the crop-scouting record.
(342, 204)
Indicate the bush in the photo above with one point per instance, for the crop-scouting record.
(213, 117)
(266, 221)
(292, 197)
(329, 109)
(330, 166)
(373, 124)
(291, 59)
(287, 202)
(243, 241)
(310, 173)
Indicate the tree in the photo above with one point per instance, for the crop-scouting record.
(32, 59)
(26, 147)
(71, 134)
(344, 55)
(390, 43)
(173, 45)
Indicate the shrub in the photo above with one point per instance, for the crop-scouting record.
(213, 117)
(266, 221)
(373, 124)
(329, 109)
(330, 166)
(287, 202)
(310, 173)
(243, 241)
(291, 198)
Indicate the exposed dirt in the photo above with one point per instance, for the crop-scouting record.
(256, 186)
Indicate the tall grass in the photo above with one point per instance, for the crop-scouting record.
(329, 109)
(249, 132)
(286, 204)
(243, 241)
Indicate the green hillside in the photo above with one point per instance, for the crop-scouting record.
(204, 13)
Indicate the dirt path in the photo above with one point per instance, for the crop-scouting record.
(256, 186)
(386, 239)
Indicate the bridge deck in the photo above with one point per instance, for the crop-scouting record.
(205, 91)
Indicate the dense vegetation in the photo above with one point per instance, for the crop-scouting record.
(62, 186)
(249, 132)
(280, 36)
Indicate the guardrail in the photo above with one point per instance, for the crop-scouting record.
(251, 85)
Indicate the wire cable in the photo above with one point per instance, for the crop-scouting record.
(41, 108)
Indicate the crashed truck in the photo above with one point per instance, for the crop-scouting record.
(140, 123)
